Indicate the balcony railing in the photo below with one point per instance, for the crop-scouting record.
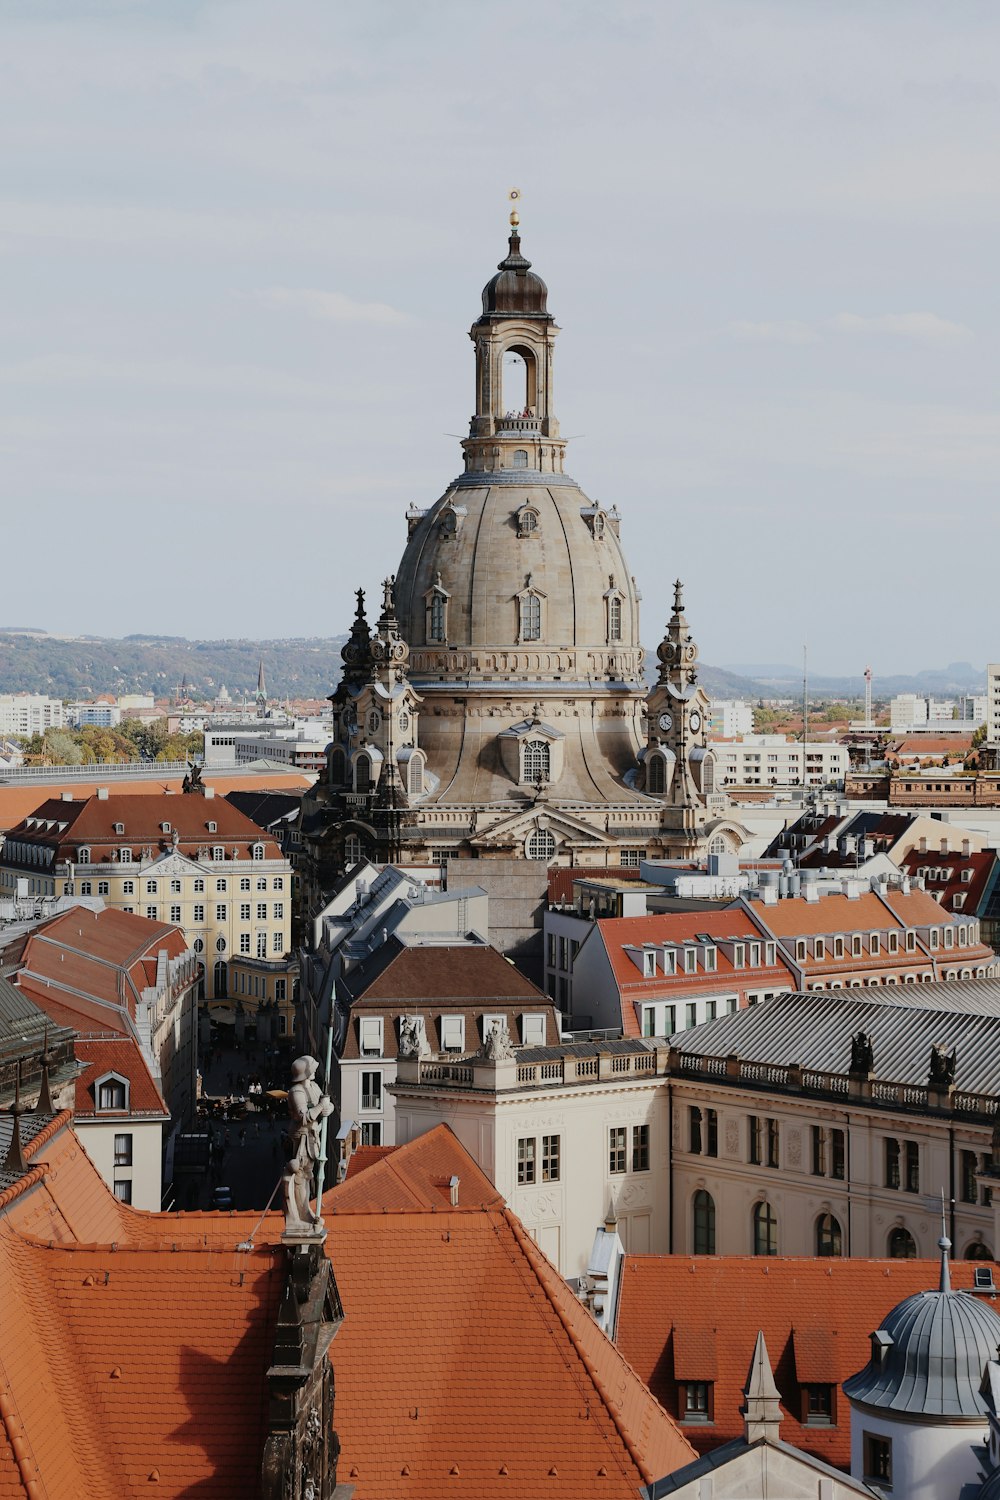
(519, 424)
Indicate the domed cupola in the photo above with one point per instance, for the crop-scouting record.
(516, 291)
(913, 1403)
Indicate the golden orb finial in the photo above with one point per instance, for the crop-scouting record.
(514, 197)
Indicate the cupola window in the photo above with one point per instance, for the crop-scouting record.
(614, 618)
(656, 776)
(536, 761)
(520, 458)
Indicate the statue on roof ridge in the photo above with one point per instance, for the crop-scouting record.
(307, 1107)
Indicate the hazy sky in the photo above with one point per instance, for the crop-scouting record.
(242, 242)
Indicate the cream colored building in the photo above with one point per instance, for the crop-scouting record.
(827, 1125)
(567, 1135)
(192, 861)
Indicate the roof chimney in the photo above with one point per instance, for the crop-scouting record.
(209, 791)
(67, 796)
(102, 793)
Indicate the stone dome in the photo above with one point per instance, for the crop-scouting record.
(491, 542)
(929, 1356)
(516, 290)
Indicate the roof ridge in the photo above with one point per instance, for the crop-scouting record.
(43, 1136)
(19, 1441)
(540, 1268)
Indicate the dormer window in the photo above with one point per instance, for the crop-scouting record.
(648, 965)
(257, 852)
(125, 856)
(536, 761)
(164, 827)
(670, 960)
(436, 612)
(213, 827)
(690, 960)
(111, 1092)
(218, 852)
(83, 856)
(119, 828)
(527, 520)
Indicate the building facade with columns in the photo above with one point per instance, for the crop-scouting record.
(499, 708)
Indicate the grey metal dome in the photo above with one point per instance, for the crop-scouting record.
(516, 291)
(929, 1355)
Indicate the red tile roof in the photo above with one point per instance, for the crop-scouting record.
(697, 1318)
(980, 864)
(617, 934)
(109, 956)
(121, 1055)
(417, 1177)
(91, 823)
(445, 972)
(17, 801)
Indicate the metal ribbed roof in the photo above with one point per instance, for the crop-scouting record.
(815, 1030)
(941, 1344)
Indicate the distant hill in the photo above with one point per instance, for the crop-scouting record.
(309, 667)
(784, 680)
(301, 668)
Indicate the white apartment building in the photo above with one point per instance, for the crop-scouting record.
(730, 717)
(103, 715)
(29, 713)
(912, 713)
(771, 760)
(993, 703)
(567, 1135)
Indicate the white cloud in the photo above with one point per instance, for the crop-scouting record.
(923, 327)
(773, 333)
(331, 307)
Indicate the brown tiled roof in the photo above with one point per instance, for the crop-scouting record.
(16, 802)
(980, 864)
(447, 972)
(91, 824)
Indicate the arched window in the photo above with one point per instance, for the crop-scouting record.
(655, 777)
(536, 761)
(902, 1245)
(614, 618)
(352, 850)
(718, 845)
(531, 617)
(363, 774)
(221, 978)
(708, 779)
(978, 1251)
(704, 1223)
(436, 627)
(829, 1238)
(338, 765)
(765, 1230)
(520, 459)
(416, 775)
(541, 844)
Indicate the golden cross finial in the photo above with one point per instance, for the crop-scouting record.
(514, 197)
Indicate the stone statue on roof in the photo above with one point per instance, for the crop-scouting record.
(497, 1045)
(942, 1069)
(862, 1055)
(307, 1107)
(192, 780)
(409, 1037)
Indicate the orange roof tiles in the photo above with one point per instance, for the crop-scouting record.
(462, 1354)
(697, 1318)
(417, 1177)
(91, 824)
(121, 1055)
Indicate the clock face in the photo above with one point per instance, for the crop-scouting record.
(666, 721)
(695, 721)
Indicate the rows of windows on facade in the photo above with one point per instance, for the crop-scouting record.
(901, 1173)
(538, 1158)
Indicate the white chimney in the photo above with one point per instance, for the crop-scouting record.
(810, 892)
(102, 793)
(210, 791)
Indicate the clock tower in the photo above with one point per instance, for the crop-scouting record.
(677, 764)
